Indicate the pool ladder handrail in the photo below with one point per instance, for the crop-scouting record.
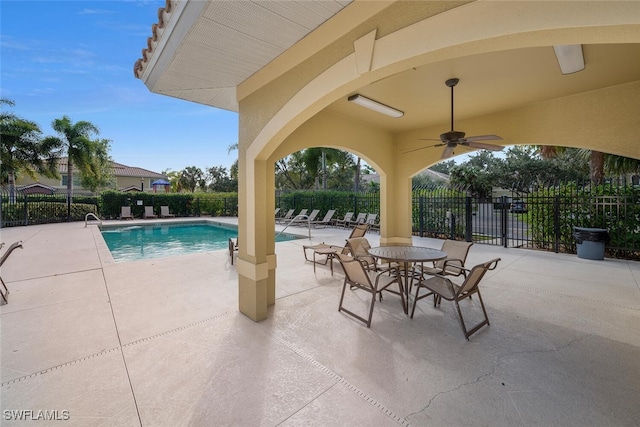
(297, 218)
(86, 218)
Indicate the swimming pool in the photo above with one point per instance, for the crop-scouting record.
(137, 242)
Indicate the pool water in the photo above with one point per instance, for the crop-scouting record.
(137, 242)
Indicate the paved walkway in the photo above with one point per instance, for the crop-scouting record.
(161, 343)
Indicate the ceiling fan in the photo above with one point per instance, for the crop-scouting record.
(450, 140)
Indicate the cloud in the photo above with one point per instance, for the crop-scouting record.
(95, 12)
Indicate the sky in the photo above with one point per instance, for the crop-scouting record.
(76, 58)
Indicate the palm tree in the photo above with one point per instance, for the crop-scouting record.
(81, 149)
(24, 150)
(596, 161)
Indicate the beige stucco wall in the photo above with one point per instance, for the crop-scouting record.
(286, 114)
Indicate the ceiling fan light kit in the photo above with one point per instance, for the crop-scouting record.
(570, 58)
(379, 107)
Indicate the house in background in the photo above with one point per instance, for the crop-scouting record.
(126, 178)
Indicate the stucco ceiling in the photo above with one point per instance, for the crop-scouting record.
(490, 83)
(240, 38)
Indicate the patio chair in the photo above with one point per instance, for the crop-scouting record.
(125, 212)
(5, 293)
(359, 248)
(276, 213)
(453, 264)
(312, 217)
(442, 287)
(233, 247)
(360, 219)
(326, 220)
(331, 250)
(287, 217)
(371, 219)
(164, 212)
(346, 220)
(148, 212)
(358, 277)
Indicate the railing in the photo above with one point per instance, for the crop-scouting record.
(297, 218)
(90, 214)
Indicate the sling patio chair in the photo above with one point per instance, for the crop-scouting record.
(164, 212)
(5, 293)
(345, 221)
(276, 212)
(233, 247)
(453, 264)
(148, 212)
(359, 248)
(442, 287)
(306, 220)
(326, 220)
(360, 219)
(287, 217)
(125, 212)
(357, 276)
(329, 251)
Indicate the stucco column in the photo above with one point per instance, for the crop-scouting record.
(396, 206)
(256, 263)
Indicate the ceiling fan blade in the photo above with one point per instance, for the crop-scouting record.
(447, 152)
(422, 148)
(483, 138)
(484, 146)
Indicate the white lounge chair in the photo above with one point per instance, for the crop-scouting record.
(164, 212)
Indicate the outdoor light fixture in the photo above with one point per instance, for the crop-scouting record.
(375, 105)
(570, 58)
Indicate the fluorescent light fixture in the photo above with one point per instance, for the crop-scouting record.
(375, 105)
(570, 58)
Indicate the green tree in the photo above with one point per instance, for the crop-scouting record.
(24, 150)
(83, 152)
(192, 177)
(99, 171)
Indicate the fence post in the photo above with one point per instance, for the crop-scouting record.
(556, 224)
(468, 217)
(505, 215)
(421, 213)
(26, 211)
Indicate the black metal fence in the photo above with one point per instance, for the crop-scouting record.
(19, 208)
(543, 218)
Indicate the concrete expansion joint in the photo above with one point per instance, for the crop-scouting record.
(340, 380)
(111, 350)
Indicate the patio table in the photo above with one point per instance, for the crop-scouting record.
(406, 255)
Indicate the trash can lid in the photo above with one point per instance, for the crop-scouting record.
(591, 230)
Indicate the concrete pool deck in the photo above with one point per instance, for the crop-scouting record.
(161, 342)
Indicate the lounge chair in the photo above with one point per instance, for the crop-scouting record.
(164, 212)
(302, 219)
(360, 219)
(442, 287)
(5, 293)
(346, 220)
(276, 213)
(233, 247)
(148, 212)
(329, 251)
(326, 220)
(287, 217)
(125, 213)
(357, 276)
(371, 219)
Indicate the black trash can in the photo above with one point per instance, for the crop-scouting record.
(590, 242)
